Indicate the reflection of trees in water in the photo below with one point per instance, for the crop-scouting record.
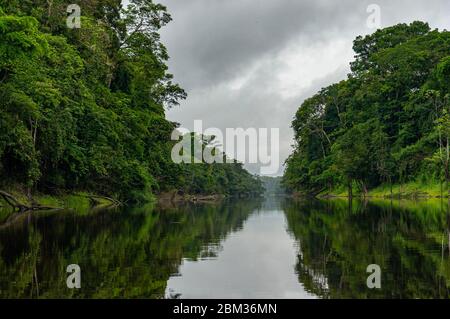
(409, 240)
(124, 254)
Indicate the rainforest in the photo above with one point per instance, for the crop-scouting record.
(83, 109)
(385, 130)
(95, 203)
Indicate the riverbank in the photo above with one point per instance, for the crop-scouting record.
(16, 199)
(411, 190)
(84, 201)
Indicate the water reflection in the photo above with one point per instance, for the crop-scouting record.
(257, 262)
(409, 240)
(122, 253)
(235, 249)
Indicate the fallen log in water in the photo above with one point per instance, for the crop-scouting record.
(16, 204)
(12, 201)
(95, 199)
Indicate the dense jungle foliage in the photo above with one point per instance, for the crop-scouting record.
(388, 123)
(84, 108)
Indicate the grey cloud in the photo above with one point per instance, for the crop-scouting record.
(215, 43)
(210, 41)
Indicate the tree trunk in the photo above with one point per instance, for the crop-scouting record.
(365, 191)
(390, 184)
(49, 11)
(16, 204)
(350, 190)
(447, 179)
(12, 201)
(94, 198)
(446, 169)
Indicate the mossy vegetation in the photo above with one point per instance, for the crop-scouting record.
(409, 190)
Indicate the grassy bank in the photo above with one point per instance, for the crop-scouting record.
(407, 190)
(81, 202)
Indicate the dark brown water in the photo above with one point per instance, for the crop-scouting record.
(274, 248)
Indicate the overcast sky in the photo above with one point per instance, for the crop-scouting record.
(251, 63)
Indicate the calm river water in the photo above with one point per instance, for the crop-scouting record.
(269, 248)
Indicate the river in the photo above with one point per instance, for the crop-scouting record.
(268, 248)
